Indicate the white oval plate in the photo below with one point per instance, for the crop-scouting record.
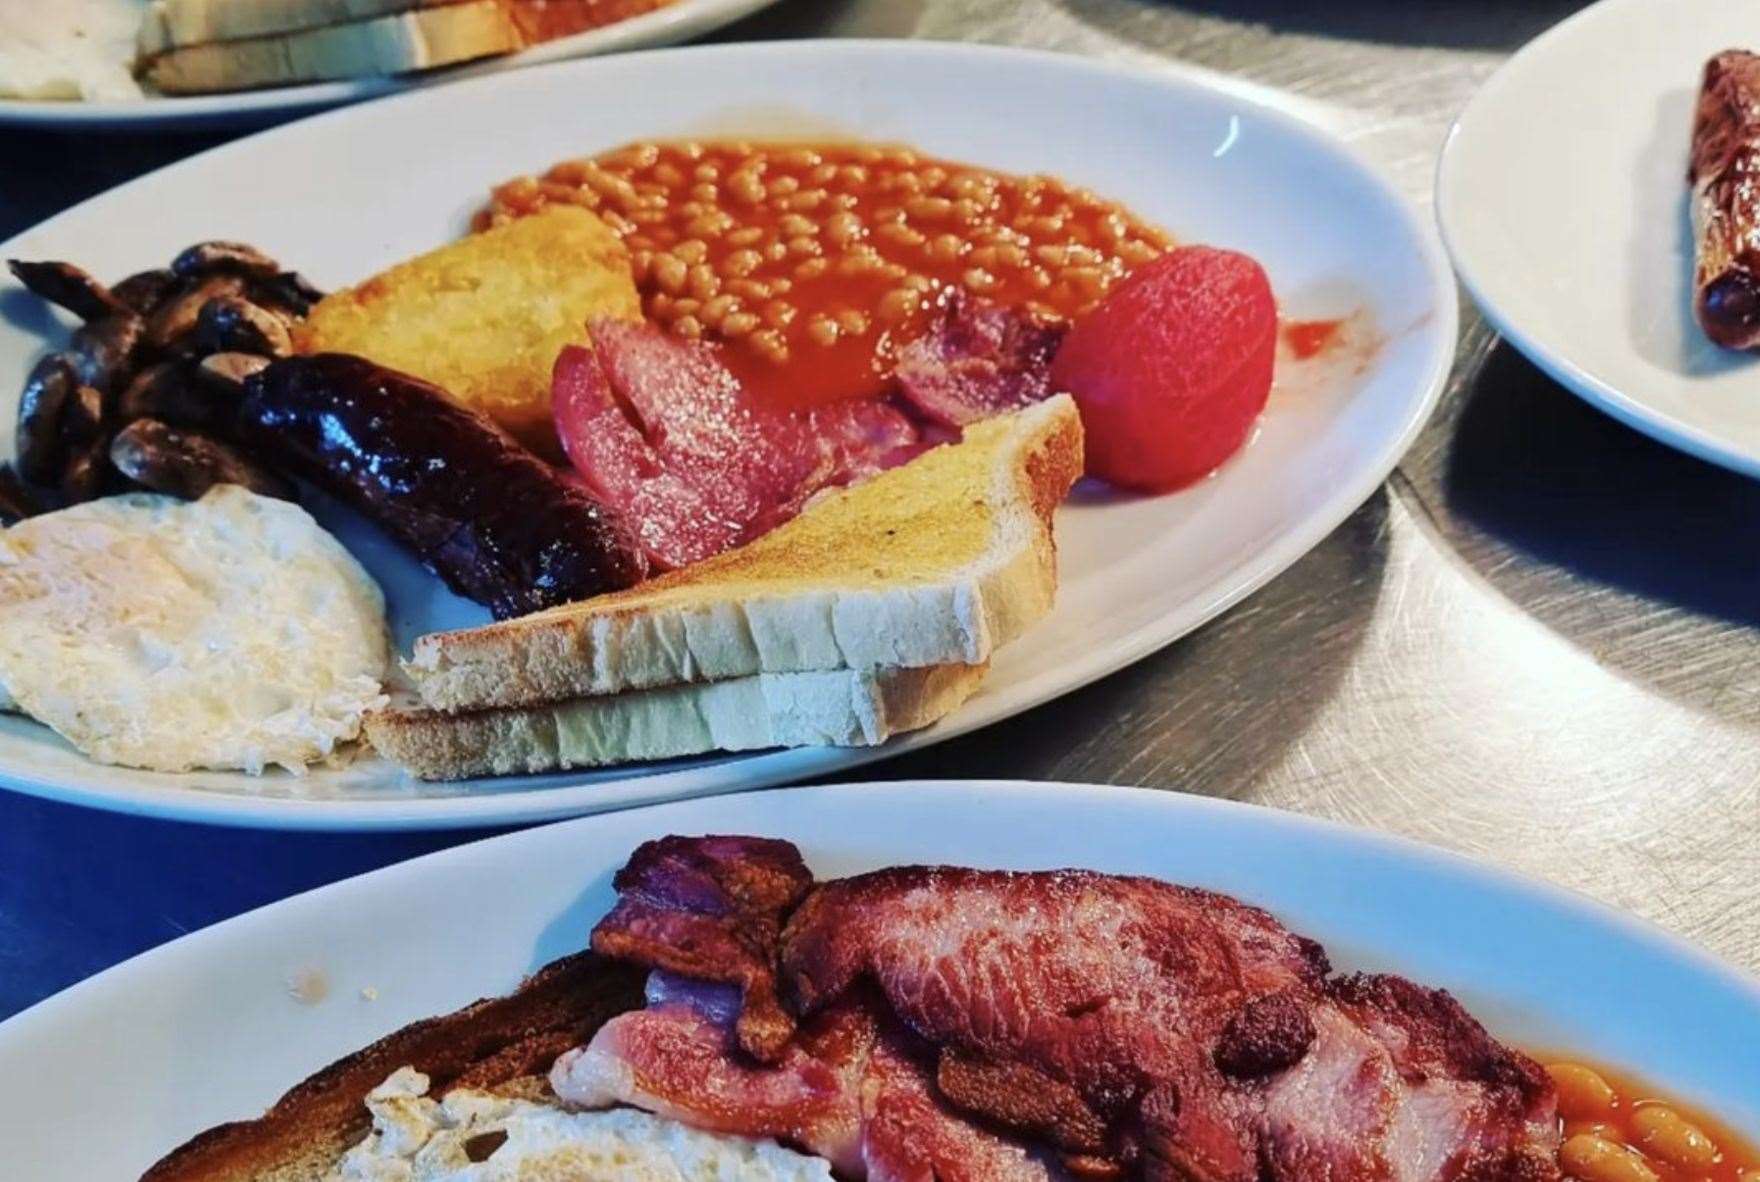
(677, 22)
(344, 194)
(1562, 196)
(103, 1079)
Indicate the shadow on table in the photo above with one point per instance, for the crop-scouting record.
(1197, 716)
(1663, 550)
(1456, 24)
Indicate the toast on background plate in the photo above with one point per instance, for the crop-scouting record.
(204, 46)
(937, 562)
(834, 708)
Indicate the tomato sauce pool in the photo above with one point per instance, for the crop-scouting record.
(813, 263)
(1617, 1129)
(1310, 338)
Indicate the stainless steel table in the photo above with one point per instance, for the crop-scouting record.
(1533, 645)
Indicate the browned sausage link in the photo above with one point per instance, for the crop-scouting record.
(69, 286)
(1724, 168)
(46, 393)
(187, 464)
(493, 520)
(82, 420)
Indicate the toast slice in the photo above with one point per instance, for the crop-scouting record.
(483, 318)
(173, 24)
(503, 1045)
(937, 562)
(834, 708)
(416, 40)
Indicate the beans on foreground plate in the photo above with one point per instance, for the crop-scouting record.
(833, 254)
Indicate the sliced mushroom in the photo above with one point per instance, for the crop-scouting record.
(174, 320)
(288, 292)
(69, 286)
(39, 443)
(103, 351)
(225, 373)
(224, 258)
(146, 290)
(16, 501)
(171, 391)
(82, 419)
(229, 324)
(186, 463)
(86, 473)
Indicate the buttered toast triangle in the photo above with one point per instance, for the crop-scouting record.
(937, 562)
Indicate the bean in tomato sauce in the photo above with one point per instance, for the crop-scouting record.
(1617, 1130)
(815, 262)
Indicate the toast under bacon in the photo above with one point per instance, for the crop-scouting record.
(935, 563)
(502, 1044)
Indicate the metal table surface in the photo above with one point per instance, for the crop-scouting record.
(1535, 645)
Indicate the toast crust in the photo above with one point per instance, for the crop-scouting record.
(937, 562)
(497, 1044)
(841, 708)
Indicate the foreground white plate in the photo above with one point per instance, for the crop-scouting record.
(667, 26)
(1562, 196)
(103, 1079)
(342, 195)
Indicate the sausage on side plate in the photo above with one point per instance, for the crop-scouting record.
(1724, 173)
(497, 523)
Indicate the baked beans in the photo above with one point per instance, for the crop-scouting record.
(832, 255)
(1615, 1131)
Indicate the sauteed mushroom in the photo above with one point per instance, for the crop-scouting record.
(186, 463)
(145, 290)
(224, 373)
(148, 386)
(46, 393)
(16, 501)
(69, 286)
(175, 319)
(82, 419)
(224, 258)
(230, 324)
(103, 351)
(84, 477)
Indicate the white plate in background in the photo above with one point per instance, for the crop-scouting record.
(1562, 196)
(677, 22)
(343, 195)
(106, 1077)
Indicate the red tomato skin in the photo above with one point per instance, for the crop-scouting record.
(1172, 368)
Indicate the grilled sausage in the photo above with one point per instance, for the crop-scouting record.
(1725, 177)
(493, 520)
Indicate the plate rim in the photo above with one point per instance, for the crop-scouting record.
(1249, 573)
(1598, 392)
(678, 21)
(1413, 855)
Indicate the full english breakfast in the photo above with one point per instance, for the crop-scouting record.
(743, 445)
(736, 1017)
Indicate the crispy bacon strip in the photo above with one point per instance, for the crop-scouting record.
(711, 908)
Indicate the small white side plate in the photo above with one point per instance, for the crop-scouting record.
(1562, 196)
(666, 26)
(344, 194)
(103, 1079)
